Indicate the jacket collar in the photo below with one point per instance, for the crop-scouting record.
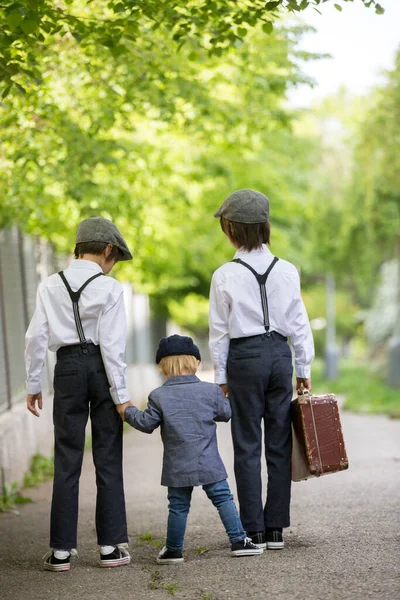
(182, 379)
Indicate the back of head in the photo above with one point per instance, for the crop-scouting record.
(244, 218)
(177, 355)
(95, 234)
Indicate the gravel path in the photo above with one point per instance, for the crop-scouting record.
(343, 543)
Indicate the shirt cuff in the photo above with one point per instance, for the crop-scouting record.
(221, 377)
(33, 388)
(120, 397)
(303, 371)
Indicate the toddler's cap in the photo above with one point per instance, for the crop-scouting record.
(175, 345)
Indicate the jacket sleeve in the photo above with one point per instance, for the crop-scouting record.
(144, 420)
(223, 410)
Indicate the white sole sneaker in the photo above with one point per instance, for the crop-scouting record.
(244, 552)
(50, 567)
(115, 562)
(169, 561)
(275, 545)
(261, 546)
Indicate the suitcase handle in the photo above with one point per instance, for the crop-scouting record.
(303, 391)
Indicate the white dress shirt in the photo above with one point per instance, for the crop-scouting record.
(102, 311)
(236, 310)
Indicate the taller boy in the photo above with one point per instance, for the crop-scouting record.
(255, 304)
(80, 315)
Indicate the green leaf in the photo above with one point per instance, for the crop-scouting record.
(272, 5)
(119, 8)
(7, 90)
(338, 7)
(14, 19)
(379, 9)
(242, 32)
(267, 27)
(29, 26)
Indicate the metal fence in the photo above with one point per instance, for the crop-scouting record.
(24, 262)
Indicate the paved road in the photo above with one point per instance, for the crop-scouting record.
(343, 543)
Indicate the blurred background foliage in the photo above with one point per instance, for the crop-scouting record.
(150, 114)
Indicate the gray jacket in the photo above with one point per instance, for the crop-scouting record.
(187, 409)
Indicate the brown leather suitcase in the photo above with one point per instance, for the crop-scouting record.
(318, 443)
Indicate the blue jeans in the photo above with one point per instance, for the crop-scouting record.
(179, 506)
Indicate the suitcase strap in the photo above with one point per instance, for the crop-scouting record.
(321, 467)
(262, 280)
(75, 303)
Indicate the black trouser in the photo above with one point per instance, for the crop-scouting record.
(80, 385)
(260, 389)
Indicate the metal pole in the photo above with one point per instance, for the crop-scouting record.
(331, 352)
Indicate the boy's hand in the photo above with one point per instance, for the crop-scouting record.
(225, 389)
(121, 409)
(31, 400)
(303, 383)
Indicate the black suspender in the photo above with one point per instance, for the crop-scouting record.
(75, 303)
(262, 279)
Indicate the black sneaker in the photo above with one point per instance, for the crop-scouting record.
(120, 556)
(258, 538)
(245, 548)
(274, 540)
(169, 557)
(51, 563)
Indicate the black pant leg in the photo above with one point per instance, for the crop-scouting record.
(246, 392)
(70, 414)
(278, 437)
(107, 456)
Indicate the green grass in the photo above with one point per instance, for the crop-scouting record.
(201, 550)
(157, 583)
(148, 538)
(364, 390)
(40, 470)
(12, 496)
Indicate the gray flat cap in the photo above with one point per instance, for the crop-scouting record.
(245, 206)
(97, 229)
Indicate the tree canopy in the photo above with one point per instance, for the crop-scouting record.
(155, 144)
(30, 27)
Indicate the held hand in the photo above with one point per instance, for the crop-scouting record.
(303, 384)
(225, 389)
(121, 409)
(31, 400)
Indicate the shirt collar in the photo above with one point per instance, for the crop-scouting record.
(264, 250)
(85, 264)
(177, 379)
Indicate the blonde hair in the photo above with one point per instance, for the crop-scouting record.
(181, 364)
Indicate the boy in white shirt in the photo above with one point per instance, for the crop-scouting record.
(80, 314)
(255, 305)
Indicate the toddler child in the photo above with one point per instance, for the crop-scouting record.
(187, 410)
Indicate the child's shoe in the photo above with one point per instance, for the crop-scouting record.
(274, 540)
(245, 548)
(58, 560)
(169, 557)
(118, 557)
